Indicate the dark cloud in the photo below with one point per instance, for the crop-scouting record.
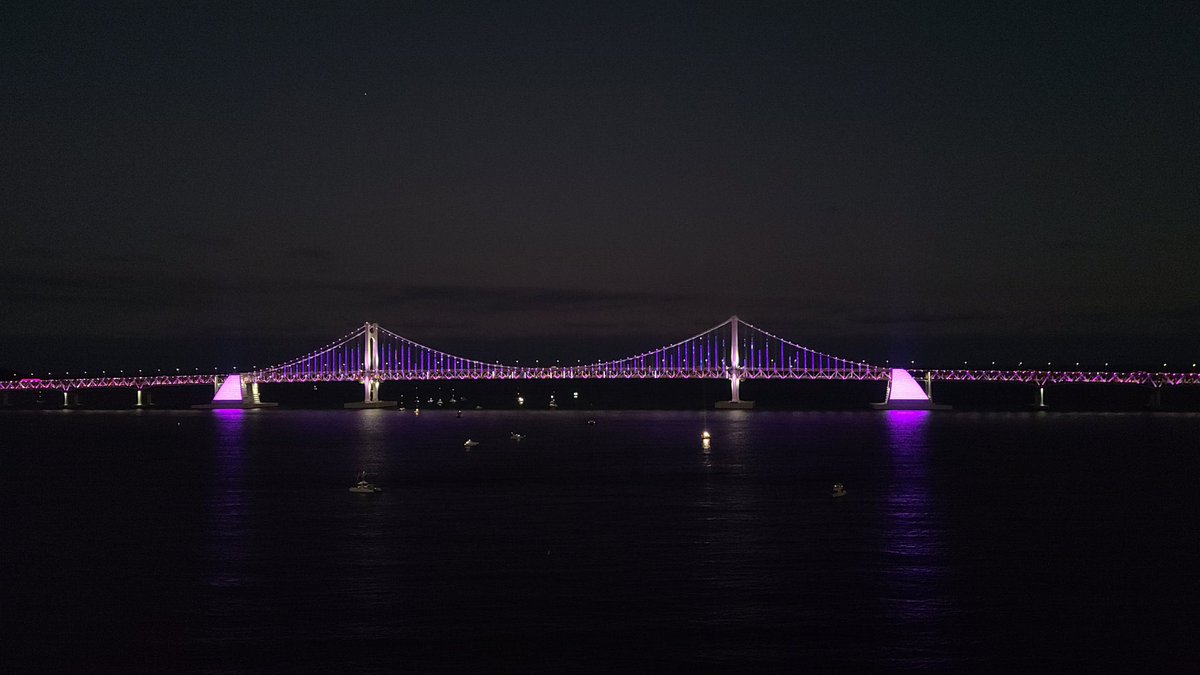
(597, 175)
(308, 253)
(956, 319)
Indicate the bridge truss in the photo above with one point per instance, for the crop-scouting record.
(733, 350)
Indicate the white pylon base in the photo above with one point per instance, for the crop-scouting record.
(361, 405)
(233, 405)
(734, 405)
(911, 405)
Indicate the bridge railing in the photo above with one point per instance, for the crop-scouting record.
(1044, 377)
(139, 382)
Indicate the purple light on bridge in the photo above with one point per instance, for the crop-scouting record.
(904, 387)
(231, 389)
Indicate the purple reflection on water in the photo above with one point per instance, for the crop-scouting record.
(227, 505)
(915, 565)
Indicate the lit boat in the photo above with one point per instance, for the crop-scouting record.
(363, 487)
(704, 435)
(839, 490)
(470, 444)
(517, 437)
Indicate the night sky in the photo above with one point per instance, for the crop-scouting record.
(212, 185)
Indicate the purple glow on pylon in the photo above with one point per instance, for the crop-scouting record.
(905, 388)
(231, 389)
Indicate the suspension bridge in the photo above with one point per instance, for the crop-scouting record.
(733, 350)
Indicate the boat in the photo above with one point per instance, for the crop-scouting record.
(591, 423)
(363, 487)
(704, 435)
(516, 437)
(839, 490)
(459, 414)
(470, 444)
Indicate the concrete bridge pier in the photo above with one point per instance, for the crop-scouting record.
(143, 398)
(735, 401)
(903, 393)
(371, 365)
(370, 397)
(1039, 401)
(70, 398)
(235, 391)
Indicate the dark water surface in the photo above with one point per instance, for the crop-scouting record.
(228, 541)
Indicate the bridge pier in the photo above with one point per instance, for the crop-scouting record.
(1039, 402)
(370, 382)
(235, 391)
(70, 398)
(903, 393)
(370, 397)
(735, 401)
(143, 398)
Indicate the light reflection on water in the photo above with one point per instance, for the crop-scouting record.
(915, 568)
(228, 503)
(232, 535)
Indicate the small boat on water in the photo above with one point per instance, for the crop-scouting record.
(516, 437)
(591, 423)
(470, 444)
(704, 436)
(363, 487)
(839, 490)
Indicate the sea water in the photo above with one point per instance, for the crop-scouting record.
(229, 541)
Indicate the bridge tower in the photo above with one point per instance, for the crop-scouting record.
(735, 401)
(370, 371)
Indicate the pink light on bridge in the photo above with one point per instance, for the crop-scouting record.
(904, 387)
(231, 389)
